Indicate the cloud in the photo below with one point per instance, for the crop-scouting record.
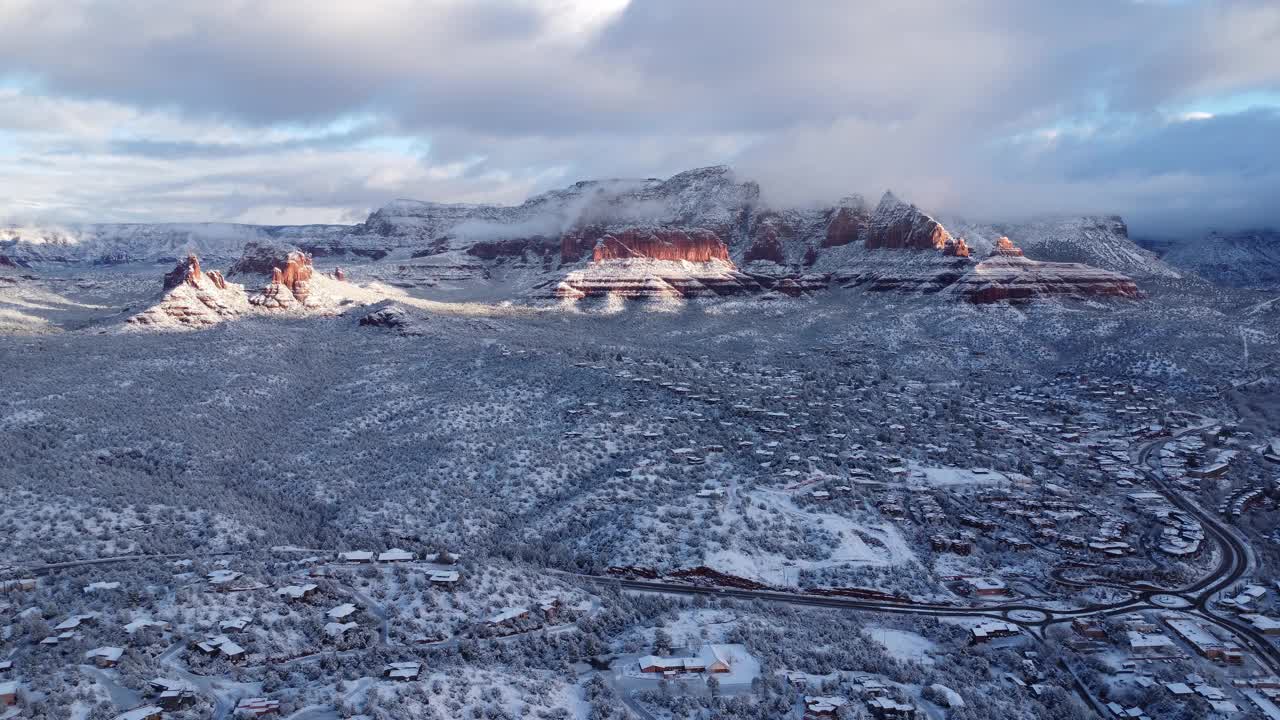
(152, 109)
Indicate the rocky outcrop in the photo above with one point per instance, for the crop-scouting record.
(515, 248)
(956, 247)
(1005, 248)
(275, 295)
(193, 298)
(390, 316)
(187, 271)
(766, 240)
(900, 226)
(290, 274)
(848, 224)
(8, 262)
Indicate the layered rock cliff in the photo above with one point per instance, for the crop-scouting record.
(1007, 275)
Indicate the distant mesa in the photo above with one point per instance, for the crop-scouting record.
(699, 233)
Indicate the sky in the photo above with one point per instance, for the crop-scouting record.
(316, 111)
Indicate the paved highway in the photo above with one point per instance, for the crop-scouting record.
(1232, 565)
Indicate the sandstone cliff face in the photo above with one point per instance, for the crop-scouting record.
(849, 224)
(653, 264)
(697, 245)
(900, 226)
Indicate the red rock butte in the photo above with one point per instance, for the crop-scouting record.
(296, 274)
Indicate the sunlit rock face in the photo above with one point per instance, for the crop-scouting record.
(290, 274)
(956, 247)
(186, 271)
(901, 226)
(193, 298)
(1005, 248)
(694, 246)
(656, 263)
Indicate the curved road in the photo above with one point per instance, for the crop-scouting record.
(1232, 565)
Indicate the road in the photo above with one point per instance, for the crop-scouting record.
(1232, 565)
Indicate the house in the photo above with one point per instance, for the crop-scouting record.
(297, 592)
(105, 657)
(8, 693)
(338, 630)
(395, 555)
(144, 624)
(886, 708)
(174, 694)
(235, 624)
(172, 700)
(223, 579)
(341, 612)
(1089, 628)
(444, 578)
(986, 587)
(402, 671)
(74, 622)
(507, 616)
(221, 644)
(356, 556)
(257, 707)
(822, 706)
(709, 659)
(146, 712)
(1215, 470)
(100, 586)
(992, 629)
